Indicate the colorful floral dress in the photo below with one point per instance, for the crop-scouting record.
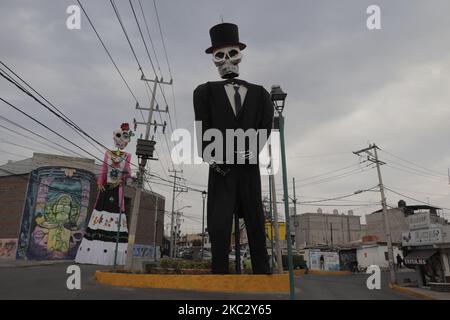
(99, 242)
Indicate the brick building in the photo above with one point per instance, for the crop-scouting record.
(20, 185)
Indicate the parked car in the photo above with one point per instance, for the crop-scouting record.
(244, 256)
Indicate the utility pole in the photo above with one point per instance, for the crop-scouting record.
(177, 230)
(295, 212)
(144, 150)
(172, 220)
(279, 262)
(155, 230)
(204, 194)
(331, 232)
(374, 158)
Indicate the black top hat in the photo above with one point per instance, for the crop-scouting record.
(222, 35)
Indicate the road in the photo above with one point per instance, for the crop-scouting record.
(348, 287)
(49, 282)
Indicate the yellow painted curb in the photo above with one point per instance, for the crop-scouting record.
(329, 273)
(217, 283)
(410, 292)
(299, 272)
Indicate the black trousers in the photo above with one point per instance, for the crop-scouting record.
(239, 191)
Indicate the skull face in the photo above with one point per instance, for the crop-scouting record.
(226, 60)
(121, 138)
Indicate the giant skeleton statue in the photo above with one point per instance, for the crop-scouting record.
(108, 220)
(234, 184)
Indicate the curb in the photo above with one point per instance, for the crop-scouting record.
(410, 292)
(277, 283)
(322, 273)
(13, 264)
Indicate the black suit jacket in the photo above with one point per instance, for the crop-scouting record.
(213, 109)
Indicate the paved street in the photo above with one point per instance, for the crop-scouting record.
(49, 282)
(351, 287)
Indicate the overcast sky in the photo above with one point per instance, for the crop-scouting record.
(347, 86)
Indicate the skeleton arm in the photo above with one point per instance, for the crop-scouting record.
(101, 181)
(202, 117)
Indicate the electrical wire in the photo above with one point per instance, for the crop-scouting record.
(411, 198)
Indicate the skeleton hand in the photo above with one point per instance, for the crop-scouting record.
(101, 188)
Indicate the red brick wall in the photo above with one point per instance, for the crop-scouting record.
(12, 196)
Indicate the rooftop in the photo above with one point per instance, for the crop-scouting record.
(38, 160)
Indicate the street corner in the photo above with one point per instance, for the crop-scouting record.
(212, 283)
(413, 292)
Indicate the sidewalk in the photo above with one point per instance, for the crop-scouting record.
(10, 263)
(422, 293)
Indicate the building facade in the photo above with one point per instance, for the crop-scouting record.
(326, 229)
(46, 205)
(427, 245)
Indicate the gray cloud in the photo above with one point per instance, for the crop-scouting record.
(346, 85)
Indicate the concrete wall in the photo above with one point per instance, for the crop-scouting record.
(397, 221)
(146, 224)
(315, 228)
(375, 255)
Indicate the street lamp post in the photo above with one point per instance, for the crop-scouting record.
(204, 193)
(271, 225)
(278, 98)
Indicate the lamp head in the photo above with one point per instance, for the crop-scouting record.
(278, 97)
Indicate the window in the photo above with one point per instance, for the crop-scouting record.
(386, 256)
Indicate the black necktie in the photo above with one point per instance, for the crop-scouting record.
(237, 99)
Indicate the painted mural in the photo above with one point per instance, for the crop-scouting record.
(8, 248)
(56, 213)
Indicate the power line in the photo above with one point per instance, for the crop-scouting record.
(50, 129)
(36, 134)
(339, 197)
(137, 60)
(410, 162)
(150, 37)
(415, 173)
(411, 198)
(108, 53)
(162, 38)
(332, 171)
(167, 59)
(58, 113)
(341, 176)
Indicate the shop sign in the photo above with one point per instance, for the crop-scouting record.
(422, 237)
(420, 220)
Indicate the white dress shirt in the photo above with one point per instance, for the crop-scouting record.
(229, 88)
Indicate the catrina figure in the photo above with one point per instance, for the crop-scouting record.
(99, 242)
(234, 184)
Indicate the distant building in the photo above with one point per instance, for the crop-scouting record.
(46, 202)
(376, 253)
(397, 220)
(326, 229)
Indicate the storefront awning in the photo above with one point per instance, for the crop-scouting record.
(418, 257)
